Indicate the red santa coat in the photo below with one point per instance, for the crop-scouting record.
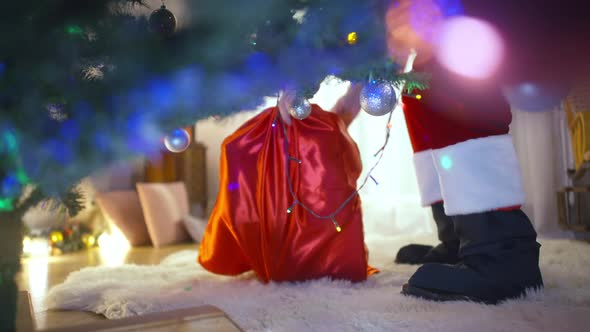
(463, 152)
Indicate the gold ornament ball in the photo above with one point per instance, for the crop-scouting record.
(88, 240)
(56, 236)
(352, 38)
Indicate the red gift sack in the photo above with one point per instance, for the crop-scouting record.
(250, 227)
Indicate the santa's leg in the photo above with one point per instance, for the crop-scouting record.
(445, 252)
(481, 188)
(430, 194)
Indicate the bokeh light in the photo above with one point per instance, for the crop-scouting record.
(414, 25)
(469, 47)
(446, 162)
(536, 96)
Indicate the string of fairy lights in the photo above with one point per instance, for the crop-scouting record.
(294, 196)
(379, 155)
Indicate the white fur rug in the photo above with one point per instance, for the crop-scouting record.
(326, 305)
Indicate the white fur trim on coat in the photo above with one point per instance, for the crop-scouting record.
(427, 177)
(479, 175)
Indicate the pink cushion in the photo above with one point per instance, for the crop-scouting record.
(164, 207)
(123, 209)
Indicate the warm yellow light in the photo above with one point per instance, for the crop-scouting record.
(36, 247)
(338, 229)
(113, 248)
(418, 97)
(112, 242)
(352, 38)
(103, 240)
(37, 267)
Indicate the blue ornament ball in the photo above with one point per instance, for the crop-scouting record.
(177, 141)
(535, 96)
(378, 98)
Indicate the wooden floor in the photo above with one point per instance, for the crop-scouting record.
(39, 274)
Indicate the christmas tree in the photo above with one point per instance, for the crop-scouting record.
(87, 83)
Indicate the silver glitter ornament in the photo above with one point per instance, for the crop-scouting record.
(57, 113)
(163, 22)
(378, 98)
(300, 108)
(177, 141)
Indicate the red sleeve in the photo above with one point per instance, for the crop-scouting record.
(455, 109)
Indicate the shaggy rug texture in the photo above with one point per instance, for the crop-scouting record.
(334, 305)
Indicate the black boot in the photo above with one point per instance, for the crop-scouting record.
(499, 260)
(446, 252)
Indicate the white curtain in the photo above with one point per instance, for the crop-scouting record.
(391, 203)
(544, 151)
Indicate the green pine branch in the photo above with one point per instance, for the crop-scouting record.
(72, 200)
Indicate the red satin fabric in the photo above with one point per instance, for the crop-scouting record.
(250, 229)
